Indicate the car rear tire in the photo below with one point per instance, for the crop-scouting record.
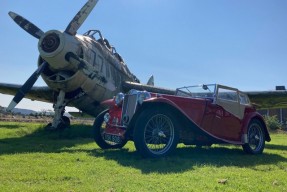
(255, 138)
(156, 133)
(99, 128)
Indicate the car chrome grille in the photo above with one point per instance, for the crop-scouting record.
(129, 108)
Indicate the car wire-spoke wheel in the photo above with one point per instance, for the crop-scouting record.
(159, 134)
(255, 137)
(156, 133)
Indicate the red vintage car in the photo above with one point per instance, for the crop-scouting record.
(199, 115)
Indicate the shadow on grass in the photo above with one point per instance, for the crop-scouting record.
(183, 159)
(41, 140)
(276, 147)
(189, 158)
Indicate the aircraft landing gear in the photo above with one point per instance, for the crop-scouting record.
(60, 121)
(64, 123)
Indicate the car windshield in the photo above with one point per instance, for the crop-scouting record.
(197, 91)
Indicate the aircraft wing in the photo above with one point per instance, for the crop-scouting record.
(260, 99)
(44, 93)
(268, 99)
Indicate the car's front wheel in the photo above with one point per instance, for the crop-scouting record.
(156, 133)
(255, 138)
(99, 128)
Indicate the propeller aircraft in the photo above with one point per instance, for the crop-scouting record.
(83, 70)
(80, 70)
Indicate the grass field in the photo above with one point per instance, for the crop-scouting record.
(32, 159)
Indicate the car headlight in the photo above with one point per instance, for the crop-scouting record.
(119, 98)
(107, 117)
(143, 95)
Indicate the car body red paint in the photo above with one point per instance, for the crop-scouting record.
(215, 114)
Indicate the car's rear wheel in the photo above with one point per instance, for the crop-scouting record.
(255, 138)
(155, 133)
(99, 128)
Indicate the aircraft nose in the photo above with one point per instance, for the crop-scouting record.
(53, 47)
(50, 43)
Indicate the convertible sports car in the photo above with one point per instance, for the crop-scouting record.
(199, 115)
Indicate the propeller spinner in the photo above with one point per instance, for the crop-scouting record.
(33, 30)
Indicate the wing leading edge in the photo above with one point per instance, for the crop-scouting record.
(44, 93)
(261, 99)
(268, 99)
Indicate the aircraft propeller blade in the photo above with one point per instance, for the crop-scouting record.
(80, 17)
(26, 25)
(26, 87)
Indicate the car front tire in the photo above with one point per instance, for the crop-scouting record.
(99, 128)
(255, 137)
(155, 133)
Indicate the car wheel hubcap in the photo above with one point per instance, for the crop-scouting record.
(255, 137)
(159, 134)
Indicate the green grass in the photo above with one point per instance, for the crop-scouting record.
(32, 159)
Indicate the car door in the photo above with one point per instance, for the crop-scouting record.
(228, 114)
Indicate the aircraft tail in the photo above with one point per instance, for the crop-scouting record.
(150, 81)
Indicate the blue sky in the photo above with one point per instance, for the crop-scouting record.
(240, 43)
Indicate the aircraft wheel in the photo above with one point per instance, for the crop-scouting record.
(66, 121)
(156, 133)
(99, 127)
(256, 138)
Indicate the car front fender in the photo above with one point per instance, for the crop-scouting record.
(179, 114)
(255, 115)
